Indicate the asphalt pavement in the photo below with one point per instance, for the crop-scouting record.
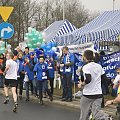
(34, 111)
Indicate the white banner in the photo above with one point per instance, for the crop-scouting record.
(78, 48)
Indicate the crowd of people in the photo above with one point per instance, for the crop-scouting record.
(35, 72)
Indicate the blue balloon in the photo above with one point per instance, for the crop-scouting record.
(54, 44)
(43, 46)
(48, 48)
(36, 49)
(49, 44)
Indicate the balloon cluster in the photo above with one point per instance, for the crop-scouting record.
(2, 47)
(33, 38)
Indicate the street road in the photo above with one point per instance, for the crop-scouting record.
(35, 111)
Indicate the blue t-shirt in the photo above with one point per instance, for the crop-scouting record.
(41, 70)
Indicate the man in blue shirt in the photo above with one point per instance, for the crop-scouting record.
(28, 68)
(51, 71)
(41, 71)
(67, 65)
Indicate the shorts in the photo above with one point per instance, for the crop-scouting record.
(10, 82)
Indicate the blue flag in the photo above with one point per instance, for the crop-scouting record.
(109, 63)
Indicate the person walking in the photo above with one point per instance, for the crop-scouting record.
(21, 74)
(41, 72)
(2, 68)
(11, 79)
(67, 64)
(51, 71)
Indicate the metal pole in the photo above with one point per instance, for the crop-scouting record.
(63, 9)
(113, 5)
(5, 43)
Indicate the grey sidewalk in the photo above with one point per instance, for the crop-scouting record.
(75, 104)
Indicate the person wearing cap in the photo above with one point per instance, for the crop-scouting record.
(116, 83)
(41, 72)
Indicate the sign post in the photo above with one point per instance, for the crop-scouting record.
(6, 29)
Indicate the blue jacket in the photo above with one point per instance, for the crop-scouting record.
(68, 69)
(41, 71)
(29, 70)
(20, 62)
(51, 69)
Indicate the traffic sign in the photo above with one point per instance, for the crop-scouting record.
(6, 30)
(5, 12)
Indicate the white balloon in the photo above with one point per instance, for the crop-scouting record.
(54, 49)
(26, 39)
(29, 29)
(43, 40)
(9, 50)
(43, 35)
(8, 46)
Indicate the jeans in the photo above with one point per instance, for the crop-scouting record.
(67, 86)
(27, 85)
(40, 89)
(20, 85)
(51, 84)
(45, 86)
(1, 80)
(35, 86)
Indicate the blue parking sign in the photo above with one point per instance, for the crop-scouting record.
(6, 30)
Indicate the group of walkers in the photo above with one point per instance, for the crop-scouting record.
(36, 72)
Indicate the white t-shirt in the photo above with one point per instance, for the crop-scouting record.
(94, 87)
(117, 80)
(12, 71)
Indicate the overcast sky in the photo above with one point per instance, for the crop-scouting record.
(100, 5)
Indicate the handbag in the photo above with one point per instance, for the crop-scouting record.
(26, 79)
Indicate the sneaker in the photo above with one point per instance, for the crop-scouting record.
(51, 98)
(15, 107)
(63, 99)
(6, 100)
(20, 97)
(110, 117)
(41, 102)
(27, 99)
(69, 100)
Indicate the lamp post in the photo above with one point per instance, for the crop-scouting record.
(113, 5)
(63, 9)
